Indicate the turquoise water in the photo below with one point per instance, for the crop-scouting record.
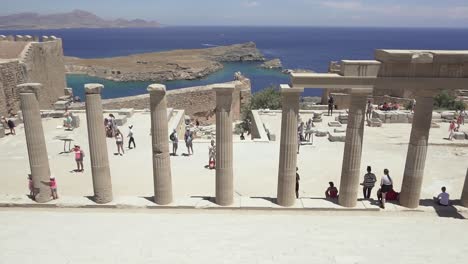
(260, 79)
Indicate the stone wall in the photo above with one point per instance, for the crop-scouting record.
(31, 61)
(198, 102)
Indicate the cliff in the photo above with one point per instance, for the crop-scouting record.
(164, 66)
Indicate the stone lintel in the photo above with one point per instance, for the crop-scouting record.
(286, 88)
(414, 56)
(29, 88)
(361, 91)
(93, 88)
(156, 88)
(331, 81)
(422, 83)
(224, 88)
(360, 68)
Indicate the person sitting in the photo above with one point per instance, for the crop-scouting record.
(391, 195)
(443, 198)
(332, 191)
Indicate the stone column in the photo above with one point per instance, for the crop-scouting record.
(102, 184)
(351, 167)
(286, 195)
(35, 140)
(464, 197)
(224, 145)
(417, 150)
(160, 140)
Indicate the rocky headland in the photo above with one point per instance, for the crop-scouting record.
(164, 66)
(272, 64)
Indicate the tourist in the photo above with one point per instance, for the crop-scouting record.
(53, 187)
(300, 130)
(443, 198)
(464, 115)
(212, 155)
(130, 135)
(390, 196)
(175, 142)
(451, 130)
(298, 141)
(332, 191)
(197, 123)
(188, 137)
(368, 183)
(413, 105)
(386, 185)
(298, 178)
(308, 131)
(11, 125)
(459, 121)
(79, 155)
(369, 110)
(331, 104)
(68, 121)
(119, 142)
(31, 187)
(112, 125)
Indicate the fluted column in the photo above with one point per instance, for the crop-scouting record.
(417, 150)
(464, 197)
(286, 195)
(224, 152)
(160, 141)
(351, 167)
(35, 140)
(102, 184)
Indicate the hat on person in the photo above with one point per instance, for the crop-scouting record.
(130, 126)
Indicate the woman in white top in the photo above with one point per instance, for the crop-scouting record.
(386, 185)
(119, 142)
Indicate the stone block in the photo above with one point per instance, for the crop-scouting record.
(61, 105)
(128, 112)
(317, 120)
(321, 133)
(75, 121)
(342, 118)
(459, 135)
(374, 122)
(336, 137)
(334, 124)
(436, 115)
(55, 114)
(120, 120)
(448, 115)
(2, 131)
(339, 130)
(68, 92)
(434, 125)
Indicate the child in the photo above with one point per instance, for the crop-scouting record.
(212, 155)
(53, 187)
(79, 155)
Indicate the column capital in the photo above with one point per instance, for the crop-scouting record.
(93, 88)
(287, 89)
(26, 88)
(156, 88)
(226, 88)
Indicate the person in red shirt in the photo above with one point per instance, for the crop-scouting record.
(451, 130)
(79, 155)
(332, 191)
(53, 187)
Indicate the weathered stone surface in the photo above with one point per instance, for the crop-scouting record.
(334, 124)
(374, 122)
(339, 130)
(336, 137)
(321, 133)
(2, 131)
(434, 125)
(448, 115)
(61, 105)
(120, 120)
(459, 135)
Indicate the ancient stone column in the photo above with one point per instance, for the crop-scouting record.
(102, 184)
(417, 150)
(224, 145)
(35, 140)
(286, 195)
(160, 140)
(351, 167)
(464, 197)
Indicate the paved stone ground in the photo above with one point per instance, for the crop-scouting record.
(95, 236)
(255, 164)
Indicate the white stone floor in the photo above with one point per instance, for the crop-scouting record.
(96, 236)
(255, 164)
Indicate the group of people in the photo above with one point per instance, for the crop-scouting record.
(10, 124)
(459, 119)
(188, 138)
(384, 193)
(53, 187)
(389, 106)
(113, 131)
(305, 132)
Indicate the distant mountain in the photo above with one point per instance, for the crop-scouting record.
(74, 19)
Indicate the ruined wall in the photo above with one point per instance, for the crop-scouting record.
(40, 62)
(11, 74)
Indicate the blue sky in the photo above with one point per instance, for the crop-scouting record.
(399, 13)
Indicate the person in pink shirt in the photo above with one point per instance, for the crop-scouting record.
(53, 187)
(79, 155)
(451, 130)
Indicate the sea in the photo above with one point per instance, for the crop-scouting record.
(298, 47)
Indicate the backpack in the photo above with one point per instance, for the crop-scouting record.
(82, 154)
(172, 137)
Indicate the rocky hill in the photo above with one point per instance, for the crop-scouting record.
(74, 19)
(164, 66)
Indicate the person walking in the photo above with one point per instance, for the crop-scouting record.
(386, 185)
(369, 110)
(79, 155)
(119, 142)
(298, 178)
(212, 155)
(175, 142)
(368, 183)
(132, 139)
(11, 125)
(451, 130)
(188, 138)
(331, 104)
